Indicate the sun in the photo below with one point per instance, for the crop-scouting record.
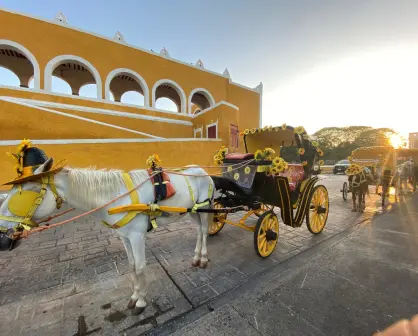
(395, 140)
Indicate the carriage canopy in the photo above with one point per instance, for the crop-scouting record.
(272, 137)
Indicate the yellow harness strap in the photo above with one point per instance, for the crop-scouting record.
(198, 205)
(53, 188)
(190, 188)
(135, 200)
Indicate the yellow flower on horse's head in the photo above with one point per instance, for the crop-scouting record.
(299, 130)
(301, 151)
(284, 126)
(26, 143)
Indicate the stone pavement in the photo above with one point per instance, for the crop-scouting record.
(364, 281)
(75, 279)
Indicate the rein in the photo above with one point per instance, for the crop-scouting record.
(26, 233)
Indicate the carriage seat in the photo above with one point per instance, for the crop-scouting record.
(239, 156)
(295, 174)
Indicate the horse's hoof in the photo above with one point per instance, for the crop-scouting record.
(138, 311)
(195, 263)
(131, 303)
(203, 264)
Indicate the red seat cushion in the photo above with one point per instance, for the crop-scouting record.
(294, 174)
(239, 156)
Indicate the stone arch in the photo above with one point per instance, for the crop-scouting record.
(171, 90)
(201, 98)
(130, 80)
(21, 62)
(79, 73)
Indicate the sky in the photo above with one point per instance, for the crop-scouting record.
(322, 62)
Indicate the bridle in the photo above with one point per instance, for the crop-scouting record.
(25, 221)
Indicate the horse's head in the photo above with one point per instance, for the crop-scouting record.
(29, 200)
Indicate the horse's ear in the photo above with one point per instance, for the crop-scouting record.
(45, 167)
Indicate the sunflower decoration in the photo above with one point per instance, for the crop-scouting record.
(247, 170)
(321, 162)
(229, 169)
(301, 151)
(354, 169)
(350, 159)
(320, 152)
(304, 163)
(153, 161)
(278, 165)
(265, 154)
(284, 127)
(253, 130)
(315, 143)
(18, 156)
(219, 157)
(299, 130)
(236, 176)
(246, 131)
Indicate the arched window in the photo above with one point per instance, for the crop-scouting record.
(127, 86)
(20, 62)
(201, 98)
(169, 90)
(77, 72)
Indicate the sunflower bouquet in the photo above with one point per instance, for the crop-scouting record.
(153, 161)
(265, 154)
(219, 157)
(278, 165)
(354, 169)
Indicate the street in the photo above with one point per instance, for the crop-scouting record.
(75, 279)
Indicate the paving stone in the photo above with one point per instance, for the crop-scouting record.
(201, 295)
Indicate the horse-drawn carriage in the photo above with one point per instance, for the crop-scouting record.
(253, 183)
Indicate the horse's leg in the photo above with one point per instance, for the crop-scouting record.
(131, 262)
(198, 250)
(204, 221)
(137, 241)
(353, 193)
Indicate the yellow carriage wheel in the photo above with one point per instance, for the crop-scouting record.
(218, 220)
(266, 234)
(263, 209)
(317, 214)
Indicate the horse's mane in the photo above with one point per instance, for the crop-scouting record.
(93, 187)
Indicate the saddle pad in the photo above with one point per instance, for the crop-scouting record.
(295, 174)
(239, 156)
(163, 188)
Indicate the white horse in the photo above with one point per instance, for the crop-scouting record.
(87, 189)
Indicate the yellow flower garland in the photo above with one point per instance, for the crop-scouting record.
(153, 161)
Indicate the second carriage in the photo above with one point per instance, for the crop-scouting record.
(257, 181)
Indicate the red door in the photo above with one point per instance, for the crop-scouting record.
(233, 136)
(212, 132)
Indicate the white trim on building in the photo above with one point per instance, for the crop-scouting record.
(177, 87)
(207, 95)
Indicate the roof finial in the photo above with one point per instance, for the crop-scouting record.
(164, 52)
(119, 37)
(259, 87)
(199, 64)
(61, 18)
(226, 73)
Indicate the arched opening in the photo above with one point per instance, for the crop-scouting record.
(199, 100)
(133, 98)
(60, 85)
(81, 76)
(171, 91)
(166, 104)
(8, 78)
(20, 62)
(127, 86)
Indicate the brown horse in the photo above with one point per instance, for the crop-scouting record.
(359, 186)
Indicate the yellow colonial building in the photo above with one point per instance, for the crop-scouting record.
(103, 130)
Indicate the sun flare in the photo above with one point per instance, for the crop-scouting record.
(396, 140)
